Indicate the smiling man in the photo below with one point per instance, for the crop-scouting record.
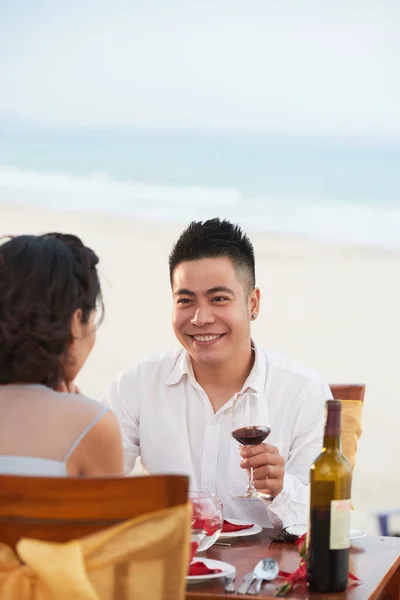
(175, 408)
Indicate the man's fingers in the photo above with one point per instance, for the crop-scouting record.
(267, 472)
(260, 459)
(261, 486)
(268, 480)
(248, 451)
(272, 489)
(268, 467)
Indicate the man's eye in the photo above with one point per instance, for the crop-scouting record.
(220, 299)
(183, 301)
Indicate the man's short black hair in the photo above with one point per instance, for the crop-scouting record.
(213, 239)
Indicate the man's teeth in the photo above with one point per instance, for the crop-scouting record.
(206, 338)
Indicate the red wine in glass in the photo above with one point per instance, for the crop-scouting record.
(251, 436)
(250, 427)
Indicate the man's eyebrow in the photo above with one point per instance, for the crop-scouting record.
(220, 288)
(214, 290)
(184, 291)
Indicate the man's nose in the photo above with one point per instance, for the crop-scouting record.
(203, 316)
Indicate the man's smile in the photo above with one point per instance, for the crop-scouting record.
(207, 338)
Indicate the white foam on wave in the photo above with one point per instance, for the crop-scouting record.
(357, 223)
(325, 219)
(101, 185)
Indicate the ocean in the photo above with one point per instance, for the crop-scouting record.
(329, 189)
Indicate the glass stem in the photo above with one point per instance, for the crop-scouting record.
(250, 487)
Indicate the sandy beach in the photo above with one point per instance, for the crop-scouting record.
(334, 308)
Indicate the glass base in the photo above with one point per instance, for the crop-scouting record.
(252, 496)
(246, 496)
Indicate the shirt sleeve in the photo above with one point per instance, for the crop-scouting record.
(122, 397)
(291, 505)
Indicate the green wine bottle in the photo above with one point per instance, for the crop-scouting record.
(330, 505)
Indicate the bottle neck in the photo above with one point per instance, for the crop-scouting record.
(332, 427)
(332, 443)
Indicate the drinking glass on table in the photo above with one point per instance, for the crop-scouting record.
(207, 519)
(250, 427)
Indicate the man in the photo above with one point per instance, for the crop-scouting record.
(174, 408)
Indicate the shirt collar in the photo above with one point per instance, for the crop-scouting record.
(182, 366)
(256, 380)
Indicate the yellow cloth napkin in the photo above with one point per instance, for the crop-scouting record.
(351, 428)
(145, 558)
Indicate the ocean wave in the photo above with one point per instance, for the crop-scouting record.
(101, 184)
(327, 219)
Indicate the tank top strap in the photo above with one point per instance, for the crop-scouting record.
(83, 433)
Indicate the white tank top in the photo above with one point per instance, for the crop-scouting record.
(40, 428)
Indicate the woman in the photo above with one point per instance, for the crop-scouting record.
(49, 292)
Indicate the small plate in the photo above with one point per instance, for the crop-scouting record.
(226, 569)
(299, 530)
(233, 534)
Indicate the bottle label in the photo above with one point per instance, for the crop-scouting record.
(339, 538)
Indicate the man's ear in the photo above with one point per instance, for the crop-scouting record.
(254, 303)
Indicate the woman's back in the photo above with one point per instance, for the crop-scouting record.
(41, 431)
(50, 306)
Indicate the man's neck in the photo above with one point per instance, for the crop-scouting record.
(221, 382)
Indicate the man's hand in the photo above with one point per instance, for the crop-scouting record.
(268, 467)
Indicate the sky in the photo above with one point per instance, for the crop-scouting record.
(282, 66)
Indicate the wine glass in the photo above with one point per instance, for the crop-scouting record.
(207, 519)
(249, 427)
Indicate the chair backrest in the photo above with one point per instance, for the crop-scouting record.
(146, 557)
(344, 391)
(60, 509)
(352, 397)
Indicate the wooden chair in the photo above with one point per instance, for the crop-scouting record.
(131, 537)
(356, 392)
(61, 509)
(352, 397)
(344, 391)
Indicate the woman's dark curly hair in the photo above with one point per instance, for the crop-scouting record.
(44, 279)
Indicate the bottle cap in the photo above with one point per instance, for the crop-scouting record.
(332, 425)
(334, 404)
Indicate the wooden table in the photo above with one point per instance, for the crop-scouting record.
(375, 560)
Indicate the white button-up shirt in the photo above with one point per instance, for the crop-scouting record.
(167, 419)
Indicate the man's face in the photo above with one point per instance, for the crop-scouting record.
(212, 309)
